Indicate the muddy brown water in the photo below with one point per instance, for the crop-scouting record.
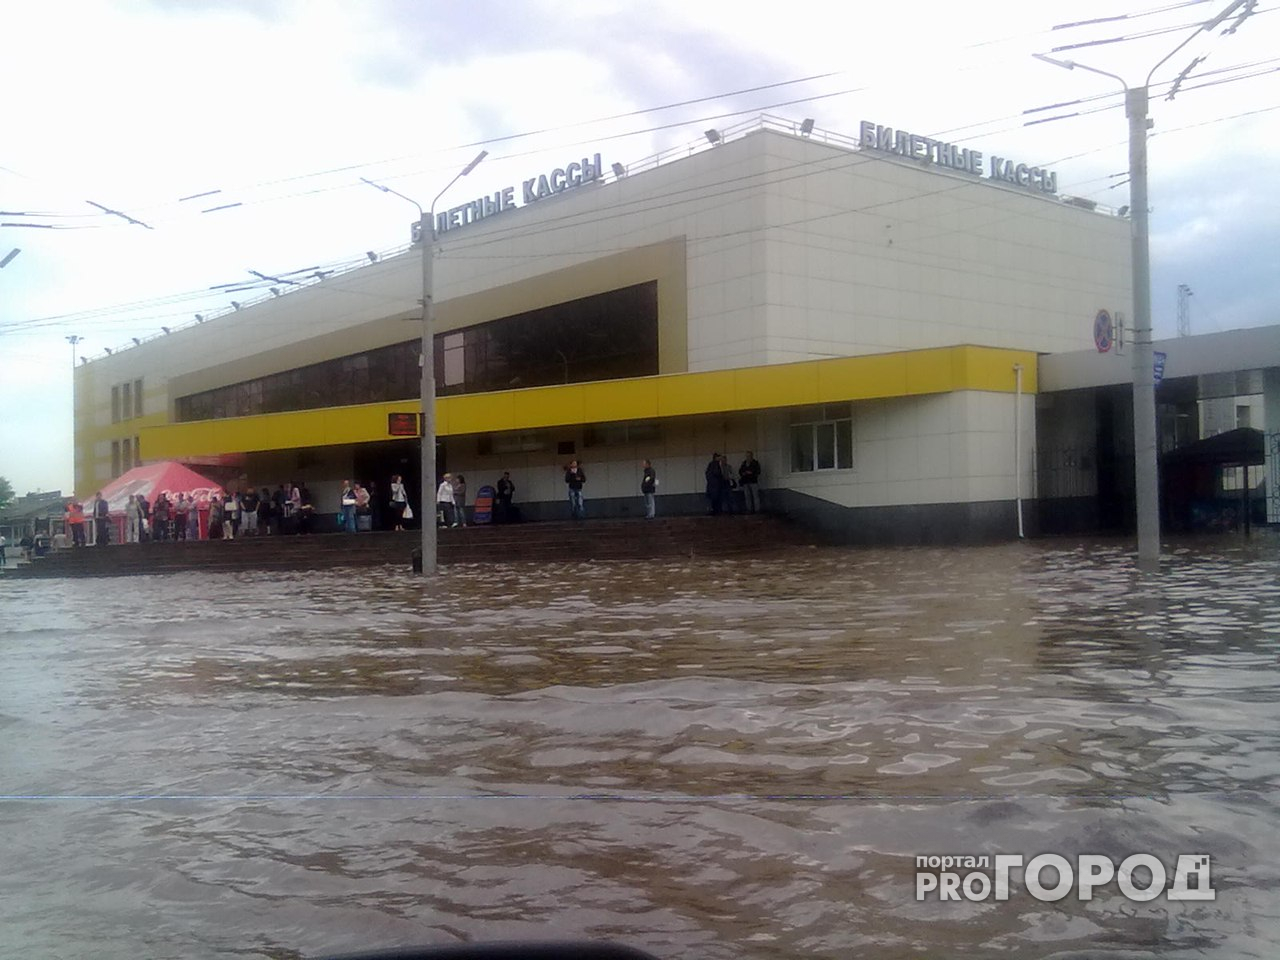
(733, 759)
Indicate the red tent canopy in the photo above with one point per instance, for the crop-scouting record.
(168, 477)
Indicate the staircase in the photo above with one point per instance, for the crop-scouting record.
(553, 541)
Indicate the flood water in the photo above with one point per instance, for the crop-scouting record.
(703, 760)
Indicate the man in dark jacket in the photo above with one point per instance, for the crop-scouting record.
(506, 490)
(648, 487)
(748, 478)
(102, 520)
(575, 478)
(715, 484)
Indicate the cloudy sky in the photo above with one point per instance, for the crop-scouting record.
(283, 105)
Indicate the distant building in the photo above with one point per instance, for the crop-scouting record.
(32, 514)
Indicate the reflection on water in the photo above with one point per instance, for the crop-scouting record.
(738, 759)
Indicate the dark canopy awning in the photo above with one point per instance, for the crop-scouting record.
(1235, 448)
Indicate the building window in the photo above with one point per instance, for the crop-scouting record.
(137, 453)
(620, 434)
(1243, 415)
(606, 336)
(126, 401)
(115, 459)
(508, 443)
(137, 399)
(115, 404)
(126, 454)
(455, 360)
(822, 438)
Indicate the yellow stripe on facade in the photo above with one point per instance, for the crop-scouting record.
(879, 376)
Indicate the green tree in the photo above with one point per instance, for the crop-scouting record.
(6, 493)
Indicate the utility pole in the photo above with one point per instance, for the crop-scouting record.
(427, 237)
(73, 340)
(1145, 454)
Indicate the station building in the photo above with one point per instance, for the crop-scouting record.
(864, 313)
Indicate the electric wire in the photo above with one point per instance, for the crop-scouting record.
(82, 316)
(85, 314)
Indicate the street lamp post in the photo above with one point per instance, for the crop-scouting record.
(1146, 469)
(427, 237)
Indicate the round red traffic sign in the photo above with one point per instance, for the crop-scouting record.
(1103, 331)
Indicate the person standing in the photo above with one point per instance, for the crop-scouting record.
(132, 520)
(279, 508)
(506, 490)
(575, 478)
(444, 501)
(728, 486)
(347, 502)
(75, 520)
(459, 501)
(180, 507)
(160, 518)
(649, 487)
(267, 512)
(144, 519)
(306, 509)
(375, 506)
(715, 484)
(216, 513)
(748, 478)
(399, 500)
(231, 515)
(295, 503)
(364, 510)
(102, 521)
(249, 512)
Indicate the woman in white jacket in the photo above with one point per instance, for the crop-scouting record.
(399, 500)
(444, 501)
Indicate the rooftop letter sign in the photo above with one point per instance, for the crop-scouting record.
(872, 136)
(571, 175)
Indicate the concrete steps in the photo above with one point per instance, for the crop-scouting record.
(557, 541)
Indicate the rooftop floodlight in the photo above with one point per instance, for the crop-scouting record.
(275, 291)
(109, 350)
(806, 127)
(619, 171)
(712, 135)
(373, 257)
(136, 341)
(235, 304)
(1122, 211)
(199, 318)
(165, 329)
(83, 361)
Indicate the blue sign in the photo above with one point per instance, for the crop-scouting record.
(1158, 358)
